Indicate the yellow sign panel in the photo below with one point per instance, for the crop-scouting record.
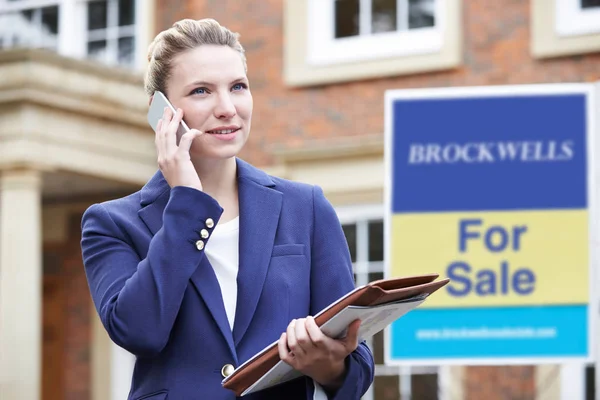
(496, 258)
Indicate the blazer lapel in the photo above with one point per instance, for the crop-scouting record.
(154, 199)
(260, 206)
(206, 283)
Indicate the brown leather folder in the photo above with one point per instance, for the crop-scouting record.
(374, 293)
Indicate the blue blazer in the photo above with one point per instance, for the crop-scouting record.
(158, 297)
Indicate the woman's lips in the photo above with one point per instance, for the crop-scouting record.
(231, 133)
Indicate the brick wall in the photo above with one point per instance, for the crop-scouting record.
(500, 383)
(496, 51)
(67, 306)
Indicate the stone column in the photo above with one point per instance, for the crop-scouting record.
(20, 285)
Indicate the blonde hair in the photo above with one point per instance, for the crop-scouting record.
(184, 35)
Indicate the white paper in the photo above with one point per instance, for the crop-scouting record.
(373, 319)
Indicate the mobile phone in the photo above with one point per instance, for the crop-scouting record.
(157, 109)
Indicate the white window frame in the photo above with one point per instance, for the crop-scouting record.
(38, 5)
(72, 28)
(325, 49)
(361, 215)
(572, 20)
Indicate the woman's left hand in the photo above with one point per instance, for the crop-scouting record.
(310, 351)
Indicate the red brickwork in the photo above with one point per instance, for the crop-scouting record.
(500, 383)
(67, 321)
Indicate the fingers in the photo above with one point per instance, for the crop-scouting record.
(158, 137)
(318, 338)
(166, 133)
(161, 136)
(172, 127)
(351, 339)
(302, 336)
(186, 140)
(284, 353)
(292, 340)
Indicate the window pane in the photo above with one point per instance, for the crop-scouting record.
(386, 388)
(424, 386)
(421, 13)
(126, 12)
(50, 20)
(27, 15)
(126, 51)
(97, 50)
(383, 16)
(97, 15)
(350, 232)
(376, 241)
(346, 18)
(49, 28)
(375, 276)
(590, 382)
(377, 343)
(590, 3)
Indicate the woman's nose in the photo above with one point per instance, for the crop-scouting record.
(225, 108)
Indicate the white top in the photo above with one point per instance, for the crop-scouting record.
(222, 251)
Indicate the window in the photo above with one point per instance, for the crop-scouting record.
(363, 227)
(107, 31)
(564, 27)
(577, 17)
(331, 41)
(111, 31)
(355, 30)
(29, 27)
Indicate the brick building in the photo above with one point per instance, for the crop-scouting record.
(73, 131)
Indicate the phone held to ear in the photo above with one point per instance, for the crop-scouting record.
(156, 111)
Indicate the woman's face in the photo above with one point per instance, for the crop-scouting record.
(211, 87)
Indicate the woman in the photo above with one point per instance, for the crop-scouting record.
(212, 260)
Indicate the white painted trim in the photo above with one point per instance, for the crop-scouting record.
(324, 49)
(356, 212)
(69, 27)
(572, 20)
(486, 91)
(143, 21)
(572, 381)
(11, 6)
(445, 383)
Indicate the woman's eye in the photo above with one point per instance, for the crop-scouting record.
(239, 86)
(199, 91)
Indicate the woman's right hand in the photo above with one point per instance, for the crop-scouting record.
(174, 161)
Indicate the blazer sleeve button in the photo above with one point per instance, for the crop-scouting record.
(227, 370)
(210, 223)
(200, 245)
(204, 234)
